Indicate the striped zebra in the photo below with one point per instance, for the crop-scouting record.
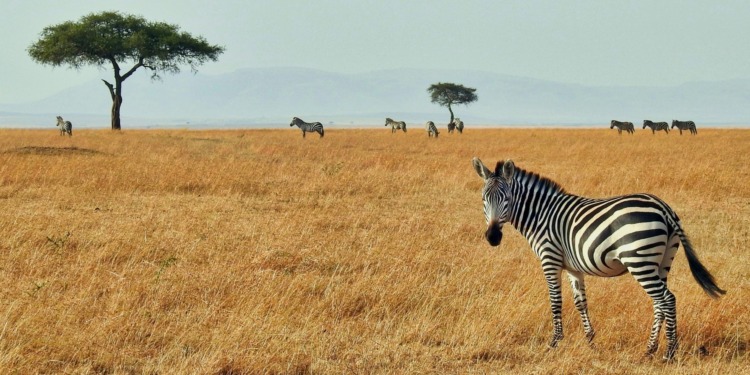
(451, 127)
(459, 125)
(431, 129)
(685, 125)
(656, 126)
(312, 127)
(622, 125)
(395, 125)
(636, 233)
(66, 127)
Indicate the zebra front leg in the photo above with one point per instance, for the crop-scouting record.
(579, 296)
(303, 134)
(552, 274)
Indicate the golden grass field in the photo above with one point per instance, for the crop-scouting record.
(257, 251)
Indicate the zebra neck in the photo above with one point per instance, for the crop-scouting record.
(532, 200)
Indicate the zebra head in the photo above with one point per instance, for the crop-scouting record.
(674, 123)
(645, 123)
(388, 121)
(295, 121)
(495, 197)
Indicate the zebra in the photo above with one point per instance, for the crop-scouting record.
(451, 127)
(459, 125)
(622, 125)
(312, 127)
(685, 125)
(431, 129)
(66, 127)
(636, 233)
(395, 125)
(655, 126)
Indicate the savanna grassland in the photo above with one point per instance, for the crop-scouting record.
(257, 251)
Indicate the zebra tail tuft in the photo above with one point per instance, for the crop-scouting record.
(700, 273)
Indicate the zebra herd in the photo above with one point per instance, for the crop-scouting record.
(654, 126)
(636, 233)
(317, 127)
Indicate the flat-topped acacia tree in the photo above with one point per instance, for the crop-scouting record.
(100, 39)
(447, 94)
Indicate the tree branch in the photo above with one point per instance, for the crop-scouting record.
(111, 89)
(133, 69)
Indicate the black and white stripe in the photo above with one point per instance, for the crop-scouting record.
(636, 233)
(313, 127)
(459, 125)
(395, 125)
(656, 126)
(685, 125)
(622, 125)
(431, 129)
(66, 127)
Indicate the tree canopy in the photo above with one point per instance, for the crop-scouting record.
(449, 94)
(105, 38)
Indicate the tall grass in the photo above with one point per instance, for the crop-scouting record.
(262, 252)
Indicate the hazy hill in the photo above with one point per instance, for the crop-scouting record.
(274, 95)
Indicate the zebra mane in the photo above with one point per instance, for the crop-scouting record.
(533, 178)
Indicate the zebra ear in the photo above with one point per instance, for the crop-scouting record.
(508, 170)
(482, 171)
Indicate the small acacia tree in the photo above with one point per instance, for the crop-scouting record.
(100, 39)
(448, 94)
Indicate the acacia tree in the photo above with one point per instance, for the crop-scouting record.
(448, 94)
(100, 39)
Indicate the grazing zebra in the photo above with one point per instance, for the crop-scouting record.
(459, 125)
(636, 233)
(66, 127)
(655, 126)
(451, 127)
(685, 125)
(431, 129)
(312, 127)
(622, 125)
(395, 125)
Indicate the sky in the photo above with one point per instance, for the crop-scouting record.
(593, 43)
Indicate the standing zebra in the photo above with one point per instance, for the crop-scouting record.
(66, 127)
(312, 127)
(459, 125)
(656, 126)
(431, 129)
(636, 233)
(451, 127)
(622, 125)
(395, 125)
(685, 125)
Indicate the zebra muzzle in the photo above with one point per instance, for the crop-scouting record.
(494, 234)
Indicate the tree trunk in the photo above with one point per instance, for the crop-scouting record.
(115, 91)
(451, 110)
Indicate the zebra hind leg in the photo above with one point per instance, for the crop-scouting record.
(579, 296)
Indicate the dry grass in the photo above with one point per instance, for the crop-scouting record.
(230, 252)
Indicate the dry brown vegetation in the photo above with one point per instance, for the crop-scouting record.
(230, 252)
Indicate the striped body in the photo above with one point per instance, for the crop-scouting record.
(431, 129)
(459, 125)
(66, 127)
(451, 127)
(395, 125)
(656, 126)
(685, 125)
(313, 127)
(636, 233)
(622, 125)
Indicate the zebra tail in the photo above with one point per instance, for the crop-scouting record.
(700, 273)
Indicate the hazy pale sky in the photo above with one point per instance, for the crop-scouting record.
(642, 42)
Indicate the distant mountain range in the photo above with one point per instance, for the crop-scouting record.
(272, 96)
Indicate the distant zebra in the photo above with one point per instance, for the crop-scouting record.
(459, 125)
(431, 129)
(685, 125)
(66, 127)
(451, 127)
(395, 125)
(312, 127)
(622, 125)
(636, 233)
(656, 126)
